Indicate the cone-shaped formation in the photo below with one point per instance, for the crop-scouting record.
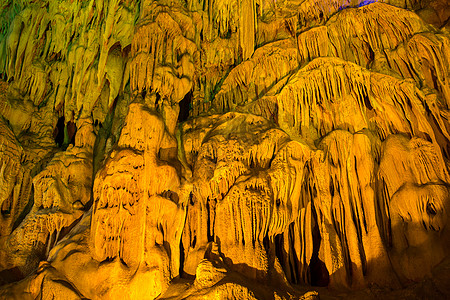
(224, 149)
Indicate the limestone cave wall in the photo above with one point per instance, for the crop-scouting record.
(253, 149)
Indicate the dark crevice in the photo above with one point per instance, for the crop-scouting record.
(157, 100)
(123, 262)
(181, 270)
(371, 54)
(318, 272)
(64, 134)
(331, 187)
(191, 198)
(58, 132)
(294, 262)
(278, 202)
(208, 222)
(367, 100)
(185, 107)
(266, 243)
(143, 93)
(279, 247)
(194, 241)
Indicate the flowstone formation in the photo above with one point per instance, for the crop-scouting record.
(224, 149)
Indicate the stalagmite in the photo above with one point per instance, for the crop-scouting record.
(224, 149)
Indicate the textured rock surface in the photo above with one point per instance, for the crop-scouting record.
(228, 149)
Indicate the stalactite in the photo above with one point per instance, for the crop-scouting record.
(224, 149)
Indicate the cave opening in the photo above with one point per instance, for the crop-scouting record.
(185, 107)
(63, 134)
(143, 93)
(279, 249)
(58, 132)
(318, 272)
(288, 260)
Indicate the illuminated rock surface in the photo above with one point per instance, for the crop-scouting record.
(224, 149)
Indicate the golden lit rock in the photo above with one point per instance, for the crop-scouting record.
(224, 149)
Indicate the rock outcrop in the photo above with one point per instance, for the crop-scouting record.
(224, 149)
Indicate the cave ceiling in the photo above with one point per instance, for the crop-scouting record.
(223, 149)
